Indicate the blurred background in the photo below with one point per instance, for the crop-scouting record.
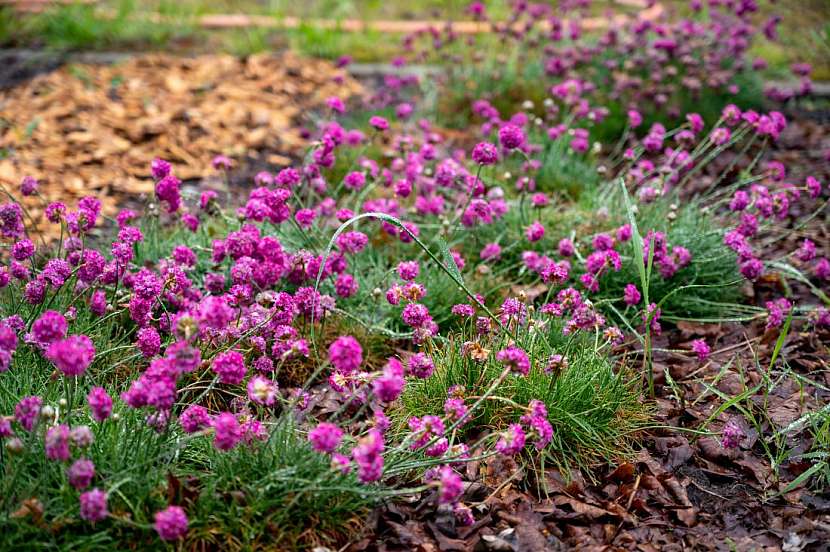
(322, 28)
(92, 90)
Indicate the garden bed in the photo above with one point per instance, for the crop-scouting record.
(565, 292)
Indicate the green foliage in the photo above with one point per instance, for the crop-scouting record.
(276, 493)
(84, 26)
(594, 407)
(506, 80)
(279, 493)
(367, 46)
(706, 289)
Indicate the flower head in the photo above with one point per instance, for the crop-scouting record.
(485, 153)
(511, 136)
(228, 432)
(171, 523)
(80, 473)
(701, 349)
(72, 355)
(325, 438)
(514, 358)
(100, 404)
(512, 441)
(230, 367)
(345, 354)
(94, 505)
(732, 435)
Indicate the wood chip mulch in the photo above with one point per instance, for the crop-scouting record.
(93, 129)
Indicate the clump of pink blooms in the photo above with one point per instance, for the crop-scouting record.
(212, 328)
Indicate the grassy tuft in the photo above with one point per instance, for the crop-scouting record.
(284, 495)
(594, 407)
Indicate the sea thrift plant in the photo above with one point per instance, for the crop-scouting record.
(171, 523)
(404, 307)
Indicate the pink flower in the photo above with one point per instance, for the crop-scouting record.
(100, 404)
(148, 341)
(463, 515)
(807, 251)
(345, 354)
(455, 409)
(720, 136)
(80, 473)
(94, 505)
(368, 455)
(408, 270)
(355, 180)
(26, 411)
(159, 168)
(336, 104)
(566, 247)
(776, 312)
(752, 268)
(450, 487)
(631, 295)
(390, 383)
(167, 191)
(222, 162)
(514, 358)
(490, 251)
(72, 355)
(23, 249)
(171, 523)
(541, 431)
(511, 441)
(325, 438)
(485, 153)
(28, 187)
(732, 435)
(420, 365)
(535, 232)
(49, 327)
(511, 137)
(652, 317)
(556, 363)
(230, 367)
(813, 187)
(57, 443)
(228, 432)
(404, 110)
(424, 430)
(822, 269)
(379, 123)
(701, 349)
(415, 315)
(262, 391)
(194, 418)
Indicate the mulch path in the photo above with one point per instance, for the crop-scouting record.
(93, 129)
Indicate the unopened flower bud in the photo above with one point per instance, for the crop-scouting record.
(14, 445)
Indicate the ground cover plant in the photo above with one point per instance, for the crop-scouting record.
(412, 314)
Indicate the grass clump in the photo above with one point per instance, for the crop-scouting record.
(278, 493)
(593, 405)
